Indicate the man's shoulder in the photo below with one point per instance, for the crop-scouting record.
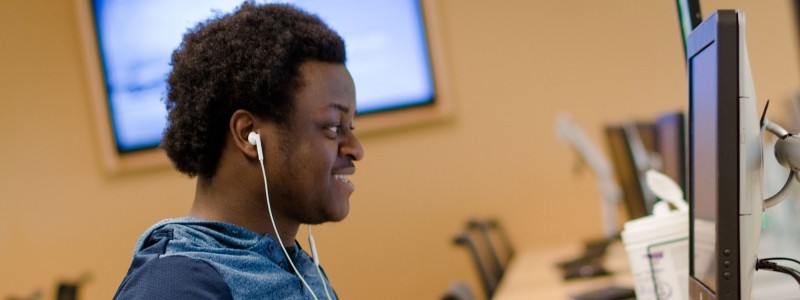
(155, 275)
(174, 277)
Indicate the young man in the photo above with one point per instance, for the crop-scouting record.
(267, 77)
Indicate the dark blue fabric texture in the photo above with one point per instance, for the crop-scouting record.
(174, 277)
(193, 259)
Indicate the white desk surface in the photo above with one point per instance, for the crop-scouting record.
(533, 274)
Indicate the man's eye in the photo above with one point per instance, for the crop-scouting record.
(335, 128)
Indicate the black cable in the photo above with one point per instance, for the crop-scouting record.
(766, 264)
(782, 258)
(789, 271)
(785, 259)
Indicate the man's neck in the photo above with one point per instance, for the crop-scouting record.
(216, 200)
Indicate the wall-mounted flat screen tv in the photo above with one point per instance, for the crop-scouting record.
(129, 43)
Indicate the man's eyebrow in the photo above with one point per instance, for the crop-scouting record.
(340, 107)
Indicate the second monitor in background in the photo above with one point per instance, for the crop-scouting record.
(631, 147)
(639, 146)
(671, 145)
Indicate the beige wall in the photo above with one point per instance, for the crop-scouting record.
(513, 65)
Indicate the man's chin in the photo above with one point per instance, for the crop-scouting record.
(341, 215)
(332, 214)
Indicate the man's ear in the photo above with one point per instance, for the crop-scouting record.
(241, 125)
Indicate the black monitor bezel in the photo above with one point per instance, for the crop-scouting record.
(720, 28)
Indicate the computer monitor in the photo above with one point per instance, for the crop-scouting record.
(725, 167)
(689, 17)
(631, 147)
(671, 145)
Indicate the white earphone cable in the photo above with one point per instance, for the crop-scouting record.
(316, 261)
(278, 235)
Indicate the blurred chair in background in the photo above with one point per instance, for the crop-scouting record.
(489, 248)
(499, 243)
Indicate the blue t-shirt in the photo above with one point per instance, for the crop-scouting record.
(188, 258)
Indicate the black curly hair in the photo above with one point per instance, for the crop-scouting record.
(248, 59)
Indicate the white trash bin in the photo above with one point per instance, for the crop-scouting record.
(658, 252)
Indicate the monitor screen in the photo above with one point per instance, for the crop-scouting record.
(705, 165)
(724, 155)
(387, 49)
(631, 147)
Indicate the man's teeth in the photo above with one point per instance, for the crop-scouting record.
(342, 177)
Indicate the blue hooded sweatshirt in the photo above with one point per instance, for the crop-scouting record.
(189, 258)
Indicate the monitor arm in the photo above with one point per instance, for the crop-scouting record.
(568, 131)
(787, 152)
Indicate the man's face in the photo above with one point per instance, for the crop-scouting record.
(309, 171)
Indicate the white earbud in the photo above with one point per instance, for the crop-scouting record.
(255, 139)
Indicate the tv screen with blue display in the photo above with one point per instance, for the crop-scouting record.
(387, 55)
